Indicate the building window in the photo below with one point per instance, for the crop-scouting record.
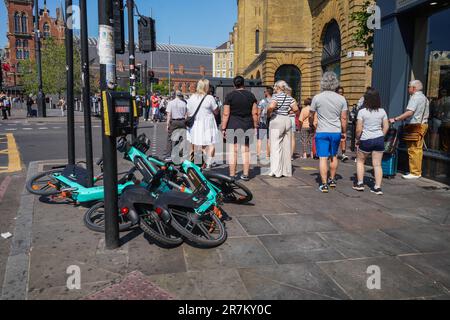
(438, 87)
(25, 43)
(17, 28)
(257, 42)
(24, 23)
(46, 30)
(26, 54)
(18, 43)
(19, 54)
(292, 75)
(331, 54)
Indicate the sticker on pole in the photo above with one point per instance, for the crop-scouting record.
(106, 47)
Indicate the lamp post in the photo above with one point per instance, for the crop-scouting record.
(42, 110)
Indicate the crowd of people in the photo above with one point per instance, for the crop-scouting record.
(273, 122)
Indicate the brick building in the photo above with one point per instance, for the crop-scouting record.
(298, 41)
(20, 34)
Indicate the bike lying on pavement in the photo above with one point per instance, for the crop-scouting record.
(170, 199)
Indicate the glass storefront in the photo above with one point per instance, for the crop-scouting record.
(438, 82)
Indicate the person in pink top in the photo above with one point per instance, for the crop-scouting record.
(307, 133)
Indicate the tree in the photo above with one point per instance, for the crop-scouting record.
(364, 36)
(162, 87)
(53, 69)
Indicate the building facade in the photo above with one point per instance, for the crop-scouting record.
(20, 34)
(298, 41)
(223, 60)
(185, 64)
(413, 43)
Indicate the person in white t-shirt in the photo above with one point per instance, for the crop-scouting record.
(372, 126)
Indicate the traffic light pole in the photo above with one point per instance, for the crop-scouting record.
(107, 80)
(86, 93)
(69, 86)
(42, 108)
(132, 53)
(146, 77)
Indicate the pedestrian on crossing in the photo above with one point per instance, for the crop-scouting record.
(3, 98)
(176, 120)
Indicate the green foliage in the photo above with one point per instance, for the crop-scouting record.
(363, 36)
(162, 87)
(53, 70)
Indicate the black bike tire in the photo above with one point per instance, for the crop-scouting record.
(201, 242)
(29, 184)
(249, 194)
(158, 237)
(95, 227)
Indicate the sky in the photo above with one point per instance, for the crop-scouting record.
(190, 22)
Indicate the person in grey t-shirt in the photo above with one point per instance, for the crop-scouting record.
(332, 112)
(176, 117)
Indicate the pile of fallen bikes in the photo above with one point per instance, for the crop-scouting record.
(170, 203)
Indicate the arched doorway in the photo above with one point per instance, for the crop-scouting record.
(292, 75)
(331, 54)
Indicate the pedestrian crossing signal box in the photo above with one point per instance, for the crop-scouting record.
(119, 119)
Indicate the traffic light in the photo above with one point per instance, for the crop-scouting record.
(138, 74)
(119, 27)
(151, 75)
(147, 34)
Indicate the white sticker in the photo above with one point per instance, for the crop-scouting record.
(106, 47)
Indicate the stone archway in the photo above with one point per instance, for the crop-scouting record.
(293, 76)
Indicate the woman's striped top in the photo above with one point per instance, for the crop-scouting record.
(284, 104)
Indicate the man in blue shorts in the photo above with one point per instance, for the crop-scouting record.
(331, 109)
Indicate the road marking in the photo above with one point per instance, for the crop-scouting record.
(43, 128)
(27, 128)
(14, 163)
(4, 187)
(56, 128)
(309, 169)
(11, 129)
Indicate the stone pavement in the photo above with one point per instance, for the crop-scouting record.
(292, 242)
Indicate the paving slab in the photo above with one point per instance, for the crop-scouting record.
(436, 215)
(364, 219)
(235, 229)
(365, 244)
(62, 293)
(258, 207)
(299, 223)
(306, 247)
(436, 266)
(398, 281)
(151, 259)
(296, 281)
(235, 253)
(220, 284)
(257, 225)
(423, 238)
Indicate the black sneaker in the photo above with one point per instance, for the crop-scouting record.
(324, 188)
(344, 158)
(377, 191)
(332, 183)
(359, 187)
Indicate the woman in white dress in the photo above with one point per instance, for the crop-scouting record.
(204, 133)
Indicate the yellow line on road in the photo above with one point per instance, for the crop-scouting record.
(14, 162)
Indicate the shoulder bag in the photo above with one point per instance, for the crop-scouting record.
(191, 120)
(272, 113)
(413, 132)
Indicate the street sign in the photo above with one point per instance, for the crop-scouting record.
(147, 34)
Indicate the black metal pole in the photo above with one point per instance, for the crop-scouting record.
(42, 108)
(69, 80)
(146, 76)
(86, 94)
(132, 53)
(107, 80)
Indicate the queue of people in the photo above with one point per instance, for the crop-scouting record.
(322, 122)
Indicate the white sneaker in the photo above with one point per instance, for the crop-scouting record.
(411, 177)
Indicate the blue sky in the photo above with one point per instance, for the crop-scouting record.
(194, 22)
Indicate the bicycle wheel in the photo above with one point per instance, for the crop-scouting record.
(45, 184)
(159, 231)
(207, 231)
(233, 192)
(94, 219)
